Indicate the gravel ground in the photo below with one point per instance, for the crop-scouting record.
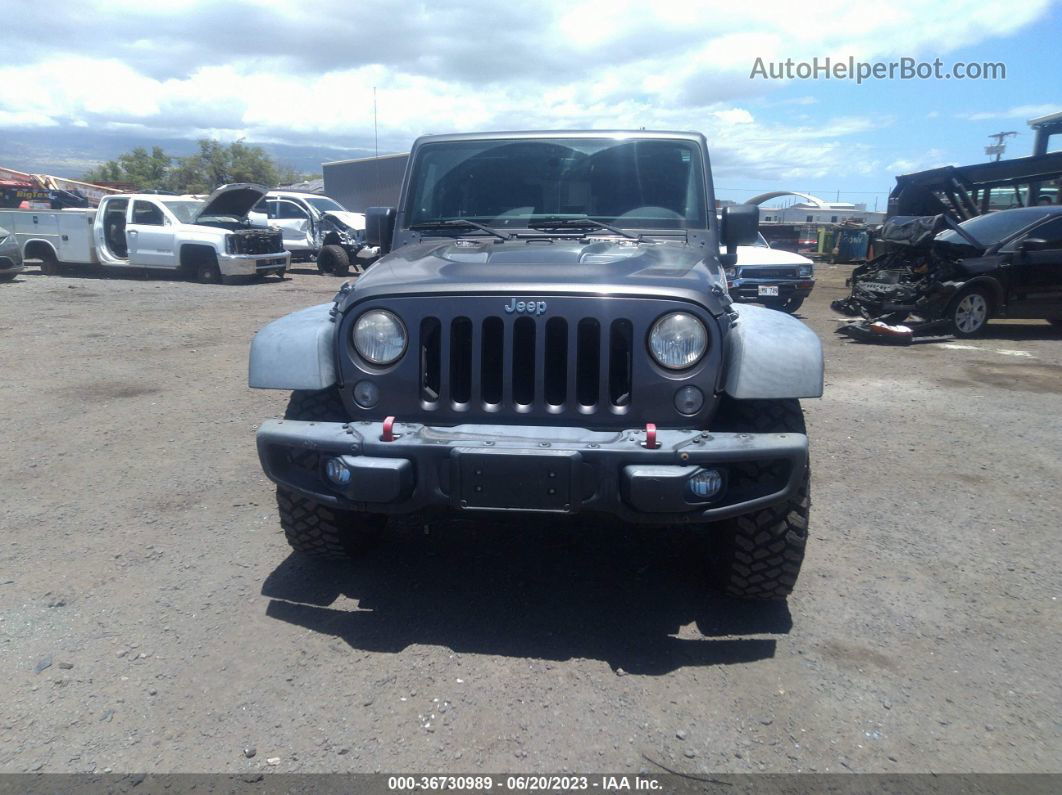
(152, 619)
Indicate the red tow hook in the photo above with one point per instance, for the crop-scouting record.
(388, 434)
(650, 436)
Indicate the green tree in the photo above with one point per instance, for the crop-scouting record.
(215, 164)
(218, 164)
(139, 168)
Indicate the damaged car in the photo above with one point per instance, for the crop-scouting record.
(316, 226)
(946, 277)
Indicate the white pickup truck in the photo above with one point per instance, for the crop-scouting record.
(206, 240)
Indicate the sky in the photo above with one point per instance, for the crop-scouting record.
(303, 75)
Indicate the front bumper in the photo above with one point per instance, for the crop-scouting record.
(748, 289)
(532, 469)
(250, 264)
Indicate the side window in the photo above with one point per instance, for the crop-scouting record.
(290, 210)
(273, 209)
(261, 206)
(1050, 231)
(147, 213)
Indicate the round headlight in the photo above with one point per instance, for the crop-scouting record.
(380, 337)
(678, 340)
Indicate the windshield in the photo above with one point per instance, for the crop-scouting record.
(324, 205)
(184, 210)
(994, 227)
(644, 184)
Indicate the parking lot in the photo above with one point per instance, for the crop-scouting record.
(152, 618)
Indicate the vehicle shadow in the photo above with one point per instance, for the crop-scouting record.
(634, 597)
(100, 272)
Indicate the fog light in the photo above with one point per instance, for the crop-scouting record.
(366, 394)
(706, 483)
(689, 400)
(338, 472)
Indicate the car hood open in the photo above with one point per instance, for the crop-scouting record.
(232, 201)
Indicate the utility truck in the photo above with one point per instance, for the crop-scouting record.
(207, 240)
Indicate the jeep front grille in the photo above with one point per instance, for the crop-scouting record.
(526, 362)
(576, 360)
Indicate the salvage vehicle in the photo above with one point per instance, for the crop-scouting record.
(206, 240)
(549, 331)
(316, 226)
(956, 277)
(777, 279)
(10, 256)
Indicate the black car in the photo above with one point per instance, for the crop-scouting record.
(1005, 264)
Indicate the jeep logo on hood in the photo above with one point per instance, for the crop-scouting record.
(526, 307)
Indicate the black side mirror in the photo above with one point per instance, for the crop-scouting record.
(739, 226)
(380, 227)
(1034, 244)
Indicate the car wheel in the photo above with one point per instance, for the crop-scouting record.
(333, 260)
(969, 312)
(208, 273)
(49, 263)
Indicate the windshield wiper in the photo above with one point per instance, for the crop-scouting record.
(584, 222)
(459, 223)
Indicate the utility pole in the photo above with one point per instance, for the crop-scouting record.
(376, 140)
(999, 146)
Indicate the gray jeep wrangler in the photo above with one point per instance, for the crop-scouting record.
(549, 331)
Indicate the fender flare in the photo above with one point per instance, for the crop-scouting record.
(771, 355)
(295, 352)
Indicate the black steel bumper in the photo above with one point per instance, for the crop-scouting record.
(747, 289)
(531, 468)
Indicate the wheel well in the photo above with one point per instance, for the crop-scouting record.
(39, 249)
(192, 256)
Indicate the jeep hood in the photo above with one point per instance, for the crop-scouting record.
(537, 266)
(231, 201)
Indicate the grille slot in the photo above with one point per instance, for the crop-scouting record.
(588, 362)
(430, 355)
(555, 367)
(524, 361)
(461, 360)
(621, 351)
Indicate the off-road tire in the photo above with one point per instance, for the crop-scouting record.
(758, 555)
(954, 308)
(333, 260)
(311, 528)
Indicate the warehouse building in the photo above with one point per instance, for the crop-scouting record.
(365, 182)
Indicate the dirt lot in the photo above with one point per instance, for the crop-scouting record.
(152, 619)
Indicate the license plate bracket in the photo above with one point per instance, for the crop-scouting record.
(526, 480)
(768, 290)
